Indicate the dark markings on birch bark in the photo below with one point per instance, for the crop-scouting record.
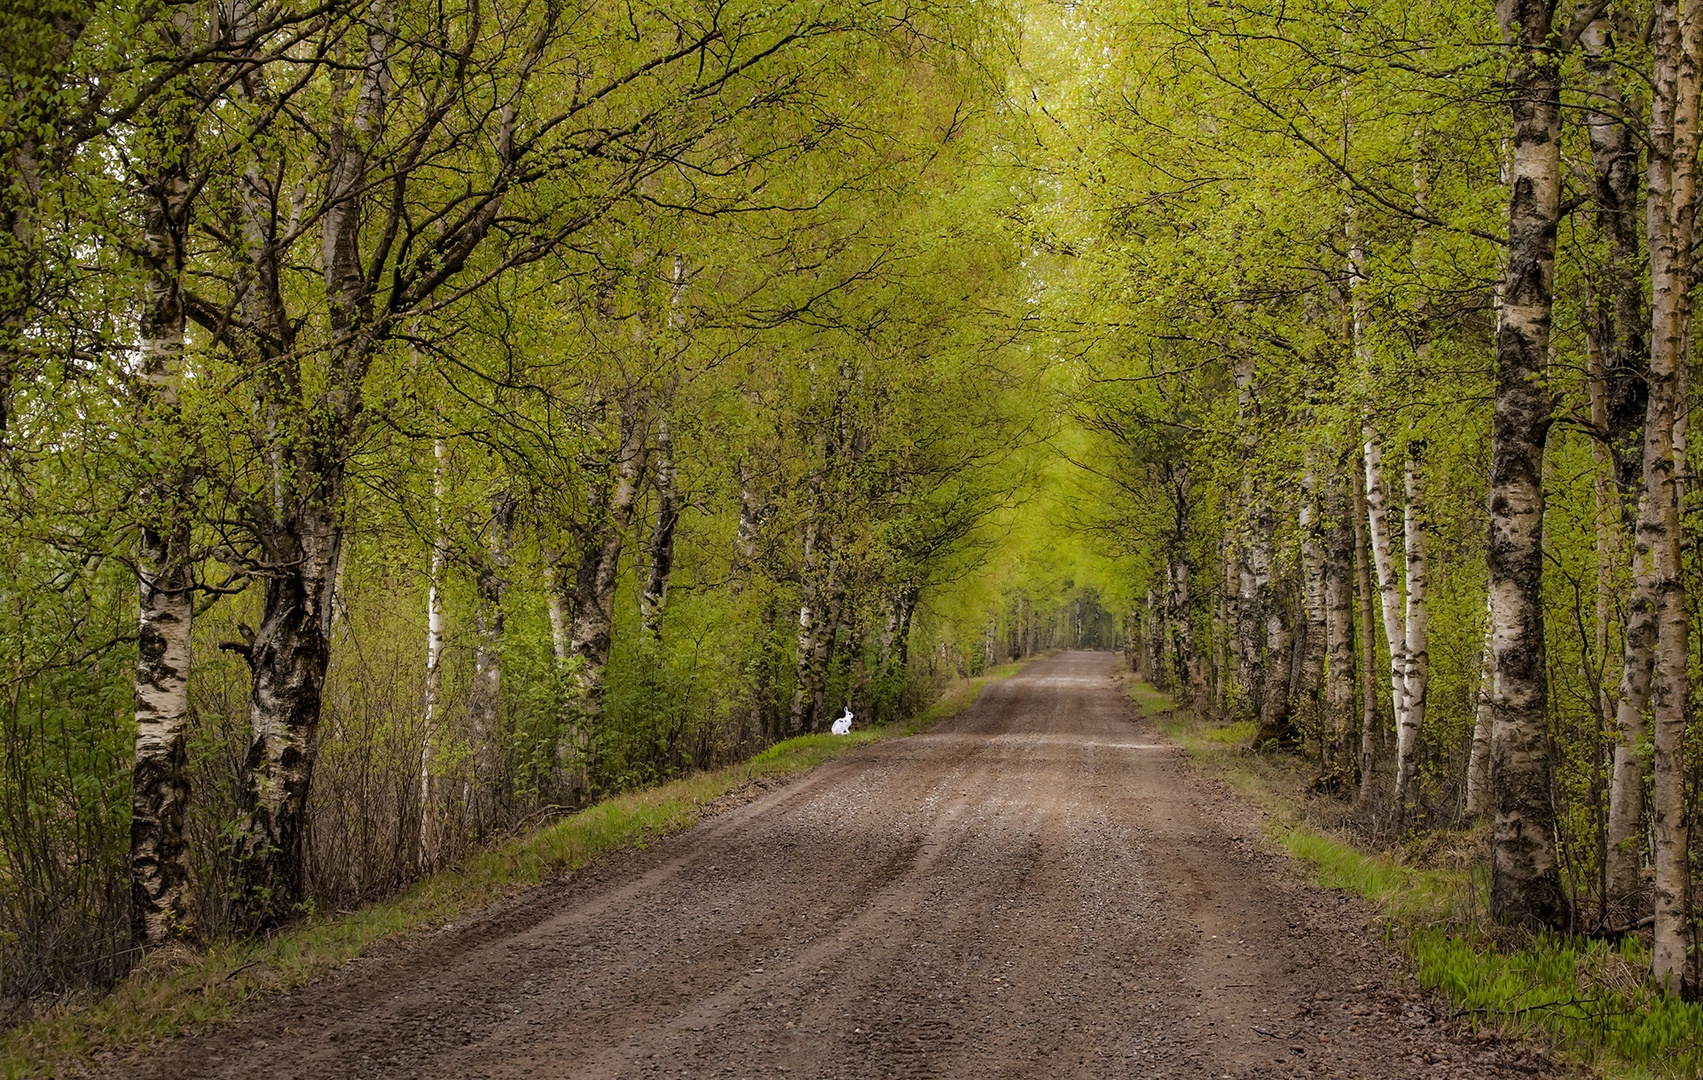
(484, 698)
(160, 887)
(1617, 339)
(1307, 686)
(296, 523)
(591, 631)
(1619, 317)
(1484, 720)
(810, 589)
(1677, 49)
(660, 553)
(1339, 714)
(1525, 884)
(1416, 622)
(753, 511)
(1371, 726)
(288, 658)
(1253, 592)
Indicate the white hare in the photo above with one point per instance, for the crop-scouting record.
(842, 726)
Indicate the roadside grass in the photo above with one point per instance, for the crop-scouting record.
(175, 991)
(1588, 999)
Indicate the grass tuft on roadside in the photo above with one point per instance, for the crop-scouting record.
(1588, 999)
(177, 991)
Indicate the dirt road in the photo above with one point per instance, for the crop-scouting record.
(1037, 888)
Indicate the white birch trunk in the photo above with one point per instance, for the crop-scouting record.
(490, 621)
(1416, 657)
(160, 887)
(1478, 762)
(1389, 585)
(1376, 497)
(434, 662)
(1312, 644)
(1618, 355)
(1339, 628)
(555, 608)
(1254, 663)
(591, 630)
(799, 717)
(661, 548)
(1525, 879)
(1371, 730)
(1677, 47)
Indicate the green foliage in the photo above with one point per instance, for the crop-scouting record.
(179, 991)
(1587, 997)
(1239, 733)
(775, 229)
(1263, 235)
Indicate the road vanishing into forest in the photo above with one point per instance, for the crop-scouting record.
(1038, 887)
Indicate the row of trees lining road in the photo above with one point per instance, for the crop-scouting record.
(421, 419)
(1380, 317)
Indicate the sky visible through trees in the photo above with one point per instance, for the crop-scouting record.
(420, 420)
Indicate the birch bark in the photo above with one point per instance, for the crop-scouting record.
(1416, 655)
(1371, 728)
(434, 661)
(1677, 49)
(160, 885)
(660, 555)
(309, 416)
(1625, 832)
(1619, 320)
(1193, 664)
(1224, 703)
(1275, 721)
(558, 596)
(1339, 628)
(1374, 493)
(1253, 599)
(1484, 716)
(1619, 356)
(1249, 623)
(1191, 672)
(591, 631)
(809, 613)
(1525, 879)
(484, 698)
(752, 512)
(899, 656)
(660, 552)
(298, 529)
(1311, 631)
(1149, 631)
(1389, 584)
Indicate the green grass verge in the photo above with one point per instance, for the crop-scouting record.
(175, 992)
(1588, 999)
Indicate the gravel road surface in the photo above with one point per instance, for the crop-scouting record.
(1038, 887)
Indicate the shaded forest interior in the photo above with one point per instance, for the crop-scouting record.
(418, 421)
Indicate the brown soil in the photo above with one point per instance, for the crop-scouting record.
(1037, 888)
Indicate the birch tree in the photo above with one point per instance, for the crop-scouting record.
(1416, 620)
(161, 905)
(1677, 47)
(1619, 361)
(1525, 879)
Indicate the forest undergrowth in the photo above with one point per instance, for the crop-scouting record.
(1586, 997)
(182, 990)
